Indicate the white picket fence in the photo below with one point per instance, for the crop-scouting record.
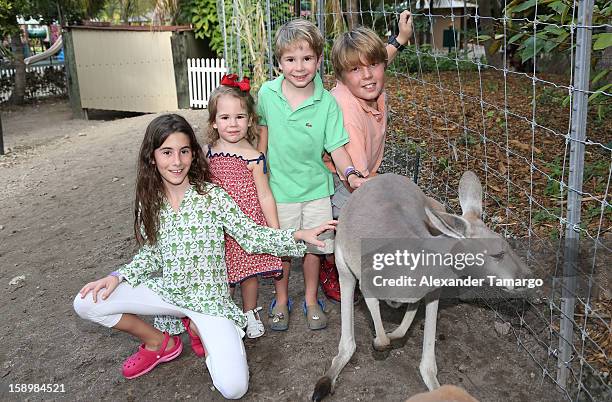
(41, 92)
(204, 76)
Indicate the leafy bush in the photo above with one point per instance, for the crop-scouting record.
(51, 81)
(206, 22)
(423, 59)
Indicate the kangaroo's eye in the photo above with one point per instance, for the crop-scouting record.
(498, 256)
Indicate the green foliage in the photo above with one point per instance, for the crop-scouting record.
(553, 185)
(52, 80)
(556, 36)
(552, 35)
(46, 11)
(595, 172)
(469, 140)
(206, 22)
(9, 10)
(411, 61)
(544, 215)
(551, 96)
(116, 11)
(251, 26)
(602, 41)
(593, 213)
(442, 163)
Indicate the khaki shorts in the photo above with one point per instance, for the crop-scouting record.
(307, 215)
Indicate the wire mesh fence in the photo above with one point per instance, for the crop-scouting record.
(503, 88)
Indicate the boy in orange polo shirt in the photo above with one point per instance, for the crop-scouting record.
(359, 58)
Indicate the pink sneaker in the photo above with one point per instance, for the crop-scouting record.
(146, 360)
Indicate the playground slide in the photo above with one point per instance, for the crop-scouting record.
(55, 48)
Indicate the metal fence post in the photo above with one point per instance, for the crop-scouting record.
(269, 32)
(221, 10)
(574, 196)
(297, 8)
(321, 24)
(1, 138)
(238, 44)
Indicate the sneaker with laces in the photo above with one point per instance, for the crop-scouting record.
(254, 327)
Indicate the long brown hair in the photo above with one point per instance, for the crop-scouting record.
(149, 187)
(247, 102)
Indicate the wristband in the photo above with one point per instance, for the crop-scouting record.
(355, 172)
(117, 275)
(348, 170)
(393, 42)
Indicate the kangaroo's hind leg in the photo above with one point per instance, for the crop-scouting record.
(381, 342)
(400, 331)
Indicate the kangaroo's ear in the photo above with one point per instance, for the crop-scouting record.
(470, 195)
(434, 204)
(448, 224)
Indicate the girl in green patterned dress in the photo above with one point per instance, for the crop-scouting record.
(179, 272)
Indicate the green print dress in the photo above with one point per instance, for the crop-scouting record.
(187, 265)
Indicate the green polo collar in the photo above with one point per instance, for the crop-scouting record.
(277, 86)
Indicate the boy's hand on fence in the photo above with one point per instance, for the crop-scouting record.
(405, 27)
(310, 235)
(108, 283)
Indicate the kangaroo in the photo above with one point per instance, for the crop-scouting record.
(399, 210)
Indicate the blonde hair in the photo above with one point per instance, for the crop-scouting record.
(356, 47)
(297, 30)
(247, 102)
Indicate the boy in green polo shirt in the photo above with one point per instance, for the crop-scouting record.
(299, 121)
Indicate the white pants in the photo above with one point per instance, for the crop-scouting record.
(225, 358)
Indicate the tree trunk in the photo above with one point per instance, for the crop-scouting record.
(352, 13)
(1, 137)
(18, 94)
(490, 9)
(465, 22)
(126, 10)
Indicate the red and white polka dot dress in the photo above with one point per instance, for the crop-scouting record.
(231, 173)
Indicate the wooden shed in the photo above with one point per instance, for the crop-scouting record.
(129, 68)
(445, 29)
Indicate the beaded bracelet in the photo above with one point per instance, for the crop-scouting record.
(117, 275)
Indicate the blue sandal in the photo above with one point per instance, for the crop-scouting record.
(315, 316)
(279, 315)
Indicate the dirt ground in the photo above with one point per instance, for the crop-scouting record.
(66, 218)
